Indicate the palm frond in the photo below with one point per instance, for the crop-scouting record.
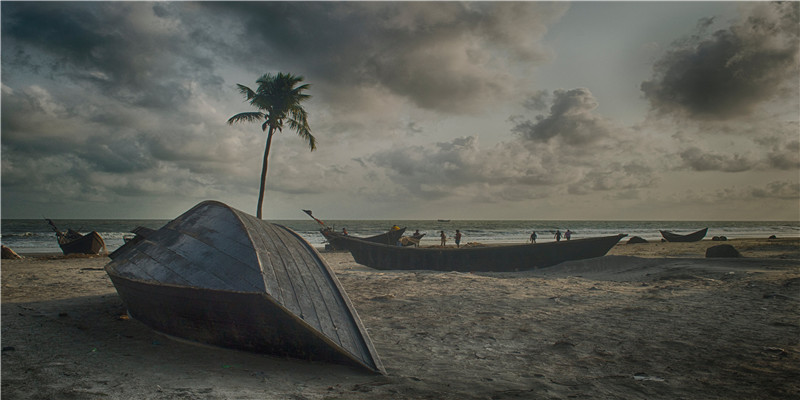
(304, 131)
(252, 116)
(246, 91)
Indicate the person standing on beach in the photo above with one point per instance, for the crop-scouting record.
(567, 234)
(533, 237)
(558, 235)
(417, 237)
(443, 237)
(458, 238)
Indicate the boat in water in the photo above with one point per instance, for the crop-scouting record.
(73, 242)
(218, 276)
(691, 237)
(499, 258)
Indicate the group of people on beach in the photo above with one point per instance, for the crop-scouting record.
(457, 237)
(443, 236)
(556, 236)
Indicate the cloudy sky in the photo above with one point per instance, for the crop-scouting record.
(512, 110)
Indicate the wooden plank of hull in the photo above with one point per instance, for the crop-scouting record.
(692, 237)
(487, 259)
(216, 250)
(90, 243)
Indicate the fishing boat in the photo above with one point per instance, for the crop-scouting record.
(390, 238)
(73, 242)
(500, 258)
(218, 276)
(691, 237)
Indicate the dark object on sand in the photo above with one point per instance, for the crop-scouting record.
(8, 254)
(692, 237)
(722, 251)
(636, 240)
(73, 242)
(218, 276)
(389, 238)
(719, 238)
(772, 237)
(490, 258)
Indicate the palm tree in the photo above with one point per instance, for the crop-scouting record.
(278, 99)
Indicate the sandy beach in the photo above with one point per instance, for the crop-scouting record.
(648, 321)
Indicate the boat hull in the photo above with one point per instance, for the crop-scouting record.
(474, 259)
(692, 237)
(218, 276)
(90, 243)
(239, 320)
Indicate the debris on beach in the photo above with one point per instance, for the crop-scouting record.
(8, 254)
(723, 250)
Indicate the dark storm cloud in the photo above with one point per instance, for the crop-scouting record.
(445, 56)
(571, 120)
(728, 73)
(120, 49)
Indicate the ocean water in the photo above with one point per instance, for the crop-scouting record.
(36, 236)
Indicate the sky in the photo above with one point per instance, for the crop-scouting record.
(421, 110)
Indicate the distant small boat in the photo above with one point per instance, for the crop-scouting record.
(691, 237)
(391, 237)
(443, 220)
(218, 276)
(73, 242)
(505, 258)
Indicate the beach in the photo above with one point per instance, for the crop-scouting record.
(649, 321)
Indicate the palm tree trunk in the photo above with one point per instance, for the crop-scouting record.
(264, 173)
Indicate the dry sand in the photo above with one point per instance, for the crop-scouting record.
(649, 321)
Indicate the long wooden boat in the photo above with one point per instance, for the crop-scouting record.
(73, 242)
(692, 237)
(219, 276)
(390, 238)
(501, 258)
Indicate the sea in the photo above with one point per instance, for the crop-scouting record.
(33, 236)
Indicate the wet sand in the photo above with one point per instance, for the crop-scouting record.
(649, 321)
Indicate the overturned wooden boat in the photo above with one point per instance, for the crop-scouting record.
(389, 238)
(691, 237)
(500, 258)
(73, 242)
(218, 276)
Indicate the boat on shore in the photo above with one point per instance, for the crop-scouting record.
(390, 237)
(499, 258)
(73, 242)
(218, 276)
(691, 237)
